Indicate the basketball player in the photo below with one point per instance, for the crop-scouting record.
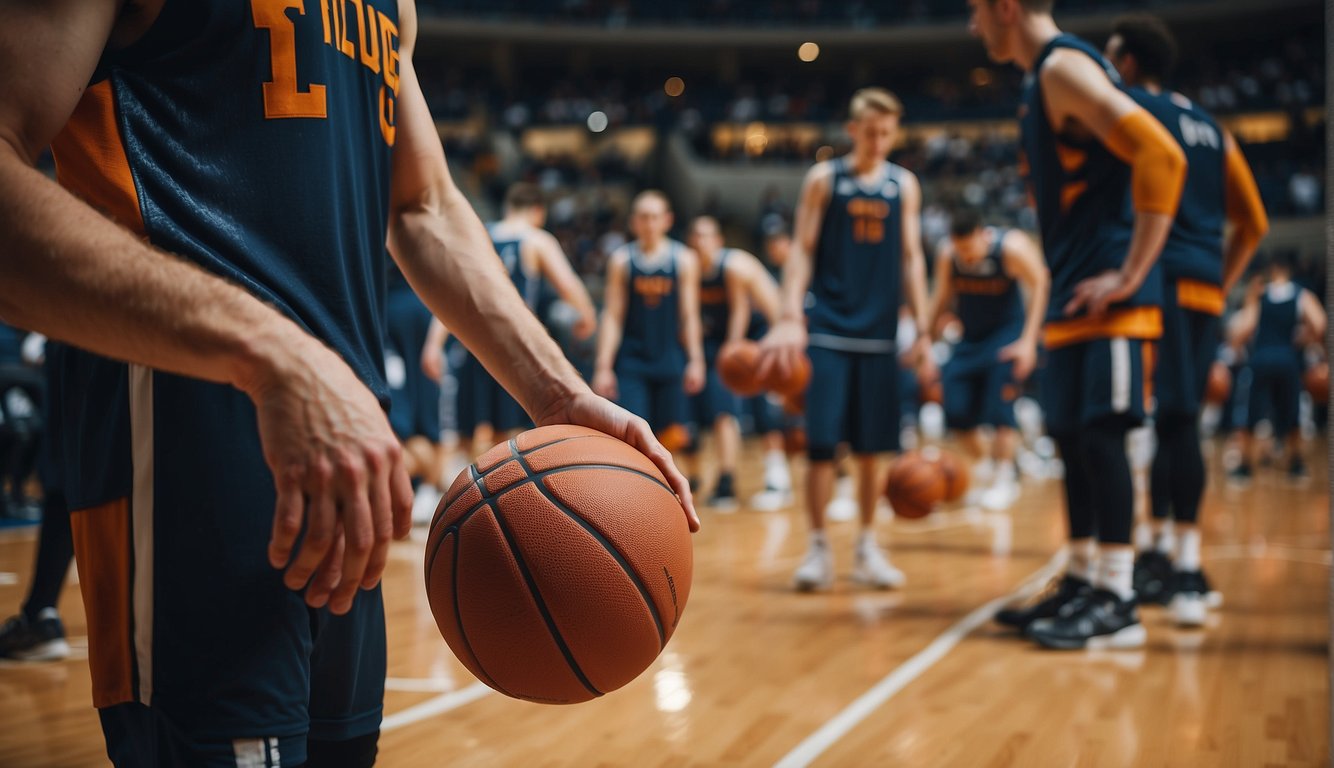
(650, 353)
(1106, 178)
(858, 249)
(979, 270)
(235, 486)
(1199, 269)
(771, 420)
(1278, 323)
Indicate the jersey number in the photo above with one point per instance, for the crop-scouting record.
(868, 229)
(282, 97)
(1199, 134)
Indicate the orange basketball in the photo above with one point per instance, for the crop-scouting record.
(558, 565)
(1219, 386)
(1316, 380)
(915, 486)
(794, 383)
(794, 441)
(956, 474)
(737, 363)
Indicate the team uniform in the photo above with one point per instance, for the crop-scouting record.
(414, 409)
(978, 387)
(481, 399)
(255, 144)
(715, 399)
(1275, 362)
(853, 317)
(650, 363)
(1097, 368)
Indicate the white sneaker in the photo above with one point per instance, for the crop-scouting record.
(999, 497)
(777, 477)
(841, 510)
(424, 504)
(816, 571)
(874, 570)
(1189, 610)
(771, 500)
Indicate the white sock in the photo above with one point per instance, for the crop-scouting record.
(776, 474)
(1005, 474)
(1143, 537)
(866, 539)
(1116, 572)
(1166, 539)
(1083, 559)
(775, 459)
(1188, 550)
(818, 539)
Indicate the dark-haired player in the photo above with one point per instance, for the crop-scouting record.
(1106, 178)
(1199, 268)
(980, 270)
(858, 251)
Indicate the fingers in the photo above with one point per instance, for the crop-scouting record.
(321, 521)
(400, 489)
(384, 522)
(287, 514)
(641, 437)
(765, 363)
(329, 573)
(358, 540)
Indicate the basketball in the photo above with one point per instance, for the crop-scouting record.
(794, 384)
(956, 475)
(737, 363)
(1316, 380)
(1219, 386)
(915, 486)
(558, 565)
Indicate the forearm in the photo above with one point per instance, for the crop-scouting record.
(1146, 244)
(692, 338)
(1237, 255)
(75, 276)
(1039, 294)
(796, 281)
(437, 334)
(917, 295)
(609, 343)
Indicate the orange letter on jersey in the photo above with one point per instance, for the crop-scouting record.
(281, 96)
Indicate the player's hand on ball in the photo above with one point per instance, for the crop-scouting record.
(694, 377)
(1097, 293)
(604, 384)
(920, 358)
(586, 409)
(781, 349)
(1023, 358)
(338, 468)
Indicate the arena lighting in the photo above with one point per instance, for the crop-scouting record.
(674, 86)
(597, 122)
(808, 52)
(981, 77)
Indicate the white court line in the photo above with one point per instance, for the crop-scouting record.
(419, 684)
(432, 707)
(8, 579)
(839, 726)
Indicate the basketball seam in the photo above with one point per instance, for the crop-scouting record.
(458, 619)
(541, 604)
(606, 544)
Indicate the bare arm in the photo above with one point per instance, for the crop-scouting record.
(1078, 92)
(1244, 323)
(1313, 317)
(614, 298)
(943, 296)
(433, 351)
(692, 334)
(555, 267)
(756, 286)
(738, 300)
(785, 343)
(1024, 263)
(1246, 212)
(914, 275)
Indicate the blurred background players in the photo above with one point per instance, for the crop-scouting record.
(650, 354)
(979, 270)
(1199, 268)
(778, 423)
(858, 249)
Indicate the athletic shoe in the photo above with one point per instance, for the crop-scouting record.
(1097, 620)
(1000, 496)
(424, 504)
(1297, 472)
(842, 510)
(1240, 475)
(724, 497)
(771, 500)
(874, 570)
(1190, 603)
(1046, 605)
(42, 640)
(1153, 578)
(816, 571)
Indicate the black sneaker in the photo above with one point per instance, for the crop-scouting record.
(1240, 475)
(1153, 578)
(42, 640)
(1058, 593)
(1190, 604)
(1097, 620)
(724, 495)
(1297, 472)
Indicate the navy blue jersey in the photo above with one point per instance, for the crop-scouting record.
(988, 300)
(1081, 190)
(256, 144)
(1280, 313)
(857, 282)
(651, 339)
(1194, 250)
(713, 301)
(509, 245)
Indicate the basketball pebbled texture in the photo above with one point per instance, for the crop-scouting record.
(737, 363)
(558, 565)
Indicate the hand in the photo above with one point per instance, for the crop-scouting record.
(584, 327)
(588, 410)
(694, 377)
(781, 349)
(1097, 293)
(337, 466)
(604, 384)
(924, 361)
(433, 363)
(1023, 358)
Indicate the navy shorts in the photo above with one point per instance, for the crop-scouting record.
(481, 400)
(414, 409)
(714, 400)
(1091, 381)
(853, 398)
(659, 400)
(978, 388)
(199, 654)
(768, 415)
(1275, 395)
(1185, 356)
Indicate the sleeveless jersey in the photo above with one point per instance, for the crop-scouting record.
(509, 246)
(1081, 191)
(651, 339)
(713, 302)
(1280, 312)
(988, 301)
(856, 287)
(1194, 250)
(255, 143)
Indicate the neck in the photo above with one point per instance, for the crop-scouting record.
(650, 246)
(515, 219)
(1152, 86)
(1032, 35)
(864, 164)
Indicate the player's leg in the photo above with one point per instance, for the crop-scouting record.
(826, 424)
(996, 405)
(347, 671)
(770, 422)
(1174, 389)
(874, 421)
(727, 438)
(1287, 424)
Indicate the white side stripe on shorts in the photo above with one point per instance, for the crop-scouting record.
(1121, 369)
(141, 524)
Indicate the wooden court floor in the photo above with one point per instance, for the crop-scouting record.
(758, 675)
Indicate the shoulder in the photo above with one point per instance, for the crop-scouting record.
(821, 175)
(1069, 67)
(619, 259)
(906, 179)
